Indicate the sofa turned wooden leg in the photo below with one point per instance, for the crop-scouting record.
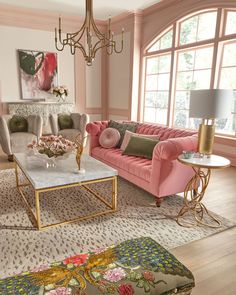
(10, 158)
(158, 201)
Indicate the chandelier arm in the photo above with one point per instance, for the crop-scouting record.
(104, 46)
(122, 43)
(72, 49)
(73, 35)
(81, 47)
(56, 42)
(111, 51)
(96, 31)
(105, 40)
(121, 49)
(59, 49)
(95, 48)
(79, 38)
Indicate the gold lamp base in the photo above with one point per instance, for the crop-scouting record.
(206, 138)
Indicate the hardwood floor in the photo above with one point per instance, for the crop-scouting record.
(212, 260)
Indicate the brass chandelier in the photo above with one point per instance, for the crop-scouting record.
(90, 32)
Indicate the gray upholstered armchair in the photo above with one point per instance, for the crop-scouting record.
(69, 125)
(17, 132)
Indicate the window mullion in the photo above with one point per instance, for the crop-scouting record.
(170, 111)
(215, 68)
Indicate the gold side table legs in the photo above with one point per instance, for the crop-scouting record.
(193, 195)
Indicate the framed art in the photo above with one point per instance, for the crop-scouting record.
(38, 73)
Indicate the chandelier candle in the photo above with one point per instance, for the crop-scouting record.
(94, 39)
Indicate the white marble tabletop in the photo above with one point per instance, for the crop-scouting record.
(212, 161)
(65, 171)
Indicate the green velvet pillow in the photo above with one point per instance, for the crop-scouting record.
(140, 147)
(65, 121)
(18, 124)
(122, 127)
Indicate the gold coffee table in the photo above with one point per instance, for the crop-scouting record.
(195, 190)
(62, 177)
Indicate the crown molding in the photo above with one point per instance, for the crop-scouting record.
(39, 19)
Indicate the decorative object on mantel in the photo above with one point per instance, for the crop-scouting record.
(61, 92)
(38, 73)
(209, 104)
(48, 148)
(94, 39)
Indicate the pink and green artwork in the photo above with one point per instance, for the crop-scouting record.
(38, 73)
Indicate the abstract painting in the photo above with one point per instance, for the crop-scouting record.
(38, 73)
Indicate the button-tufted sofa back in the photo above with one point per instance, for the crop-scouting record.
(163, 132)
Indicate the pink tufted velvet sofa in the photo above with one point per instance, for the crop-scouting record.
(161, 176)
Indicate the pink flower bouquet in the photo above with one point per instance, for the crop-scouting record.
(60, 91)
(52, 146)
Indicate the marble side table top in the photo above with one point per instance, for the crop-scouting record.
(64, 173)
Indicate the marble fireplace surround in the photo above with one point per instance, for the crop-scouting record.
(43, 108)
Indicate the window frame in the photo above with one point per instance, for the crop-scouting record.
(218, 42)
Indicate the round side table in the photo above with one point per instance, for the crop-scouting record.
(195, 190)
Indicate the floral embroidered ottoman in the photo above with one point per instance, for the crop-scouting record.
(137, 266)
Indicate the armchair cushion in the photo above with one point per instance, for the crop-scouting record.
(18, 124)
(140, 147)
(65, 121)
(122, 127)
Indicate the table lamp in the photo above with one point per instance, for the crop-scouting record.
(209, 104)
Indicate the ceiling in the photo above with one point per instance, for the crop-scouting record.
(102, 8)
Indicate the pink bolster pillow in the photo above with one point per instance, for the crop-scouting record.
(109, 138)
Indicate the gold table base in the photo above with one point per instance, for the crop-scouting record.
(36, 215)
(193, 195)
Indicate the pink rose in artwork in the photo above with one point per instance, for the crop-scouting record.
(47, 71)
(125, 289)
(60, 291)
(40, 268)
(76, 260)
(114, 275)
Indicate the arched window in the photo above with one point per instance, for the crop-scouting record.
(197, 52)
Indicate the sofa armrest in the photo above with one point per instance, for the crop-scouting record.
(53, 120)
(5, 135)
(80, 121)
(170, 149)
(94, 129)
(166, 169)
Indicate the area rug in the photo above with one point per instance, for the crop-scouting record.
(23, 248)
(135, 266)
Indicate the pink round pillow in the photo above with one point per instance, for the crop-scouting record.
(109, 138)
